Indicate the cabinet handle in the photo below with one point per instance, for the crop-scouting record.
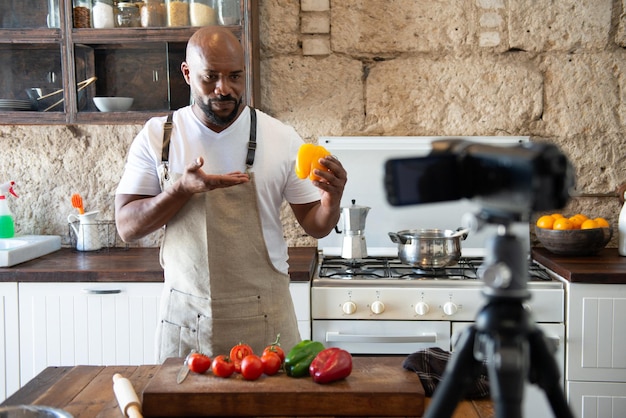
(360, 338)
(102, 291)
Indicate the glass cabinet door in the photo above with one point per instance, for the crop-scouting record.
(29, 14)
(149, 73)
(56, 57)
(31, 78)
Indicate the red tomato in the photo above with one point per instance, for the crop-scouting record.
(271, 363)
(275, 348)
(238, 353)
(198, 362)
(222, 366)
(251, 367)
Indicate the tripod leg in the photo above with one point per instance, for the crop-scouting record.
(545, 373)
(507, 364)
(460, 372)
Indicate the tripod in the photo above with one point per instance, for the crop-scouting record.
(505, 337)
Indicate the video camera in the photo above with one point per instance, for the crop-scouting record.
(503, 179)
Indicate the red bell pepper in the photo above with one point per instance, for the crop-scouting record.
(331, 364)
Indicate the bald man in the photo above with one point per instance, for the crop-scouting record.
(214, 175)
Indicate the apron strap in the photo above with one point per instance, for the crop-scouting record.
(167, 134)
(165, 149)
(252, 140)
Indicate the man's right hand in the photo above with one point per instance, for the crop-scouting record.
(196, 180)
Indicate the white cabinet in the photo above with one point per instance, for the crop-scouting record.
(9, 332)
(596, 350)
(66, 324)
(301, 296)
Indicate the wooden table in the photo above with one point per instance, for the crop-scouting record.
(87, 391)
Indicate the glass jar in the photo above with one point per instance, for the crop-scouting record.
(127, 15)
(153, 14)
(177, 12)
(228, 12)
(202, 12)
(82, 13)
(102, 14)
(53, 18)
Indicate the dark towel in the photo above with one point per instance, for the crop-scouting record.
(429, 364)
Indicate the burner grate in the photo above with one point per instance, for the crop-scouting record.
(467, 268)
(367, 268)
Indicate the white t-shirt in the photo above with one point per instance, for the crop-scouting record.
(225, 152)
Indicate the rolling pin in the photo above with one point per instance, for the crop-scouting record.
(126, 397)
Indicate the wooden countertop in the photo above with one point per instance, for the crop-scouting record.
(87, 391)
(124, 265)
(606, 267)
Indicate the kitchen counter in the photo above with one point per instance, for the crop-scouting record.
(87, 391)
(606, 267)
(124, 265)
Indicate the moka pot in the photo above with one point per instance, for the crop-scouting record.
(354, 245)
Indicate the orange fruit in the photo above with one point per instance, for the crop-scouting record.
(545, 222)
(602, 223)
(582, 216)
(557, 215)
(562, 224)
(589, 224)
(576, 221)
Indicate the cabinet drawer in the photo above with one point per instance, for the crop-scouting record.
(301, 296)
(65, 324)
(597, 399)
(596, 333)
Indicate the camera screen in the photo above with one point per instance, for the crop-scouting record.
(410, 181)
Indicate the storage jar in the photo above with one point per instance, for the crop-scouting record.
(82, 13)
(202, 12)
(102, 14)
(228, 12)
(177, 12)
(128, 15)
(153, 14)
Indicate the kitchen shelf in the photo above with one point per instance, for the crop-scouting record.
(143, 63)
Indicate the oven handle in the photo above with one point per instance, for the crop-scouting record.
(333, 336)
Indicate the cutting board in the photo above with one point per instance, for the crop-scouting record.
(378, 386)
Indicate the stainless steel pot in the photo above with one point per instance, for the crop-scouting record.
(429, 248)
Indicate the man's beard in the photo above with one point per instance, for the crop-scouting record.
(215, 119)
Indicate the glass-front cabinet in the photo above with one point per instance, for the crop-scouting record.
(58, 57)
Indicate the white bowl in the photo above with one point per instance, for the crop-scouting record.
(113, 104)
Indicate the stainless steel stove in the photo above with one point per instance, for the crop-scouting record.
(383, 289)
(378, 305)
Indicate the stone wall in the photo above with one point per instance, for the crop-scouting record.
(555, 71)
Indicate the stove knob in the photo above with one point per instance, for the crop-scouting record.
(450, 308)
(421, 308)
(349, 308)
(377, 307)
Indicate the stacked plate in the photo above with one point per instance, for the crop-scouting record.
(10, 104)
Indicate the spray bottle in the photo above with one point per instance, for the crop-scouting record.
(7, 227)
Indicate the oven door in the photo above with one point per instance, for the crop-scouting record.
(382, 337)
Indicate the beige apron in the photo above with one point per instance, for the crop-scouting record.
(221, 287)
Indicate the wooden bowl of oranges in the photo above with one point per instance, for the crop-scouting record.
(576, 235)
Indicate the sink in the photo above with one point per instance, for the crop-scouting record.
(26, 247)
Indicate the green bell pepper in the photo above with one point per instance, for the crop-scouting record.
(299, 358)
